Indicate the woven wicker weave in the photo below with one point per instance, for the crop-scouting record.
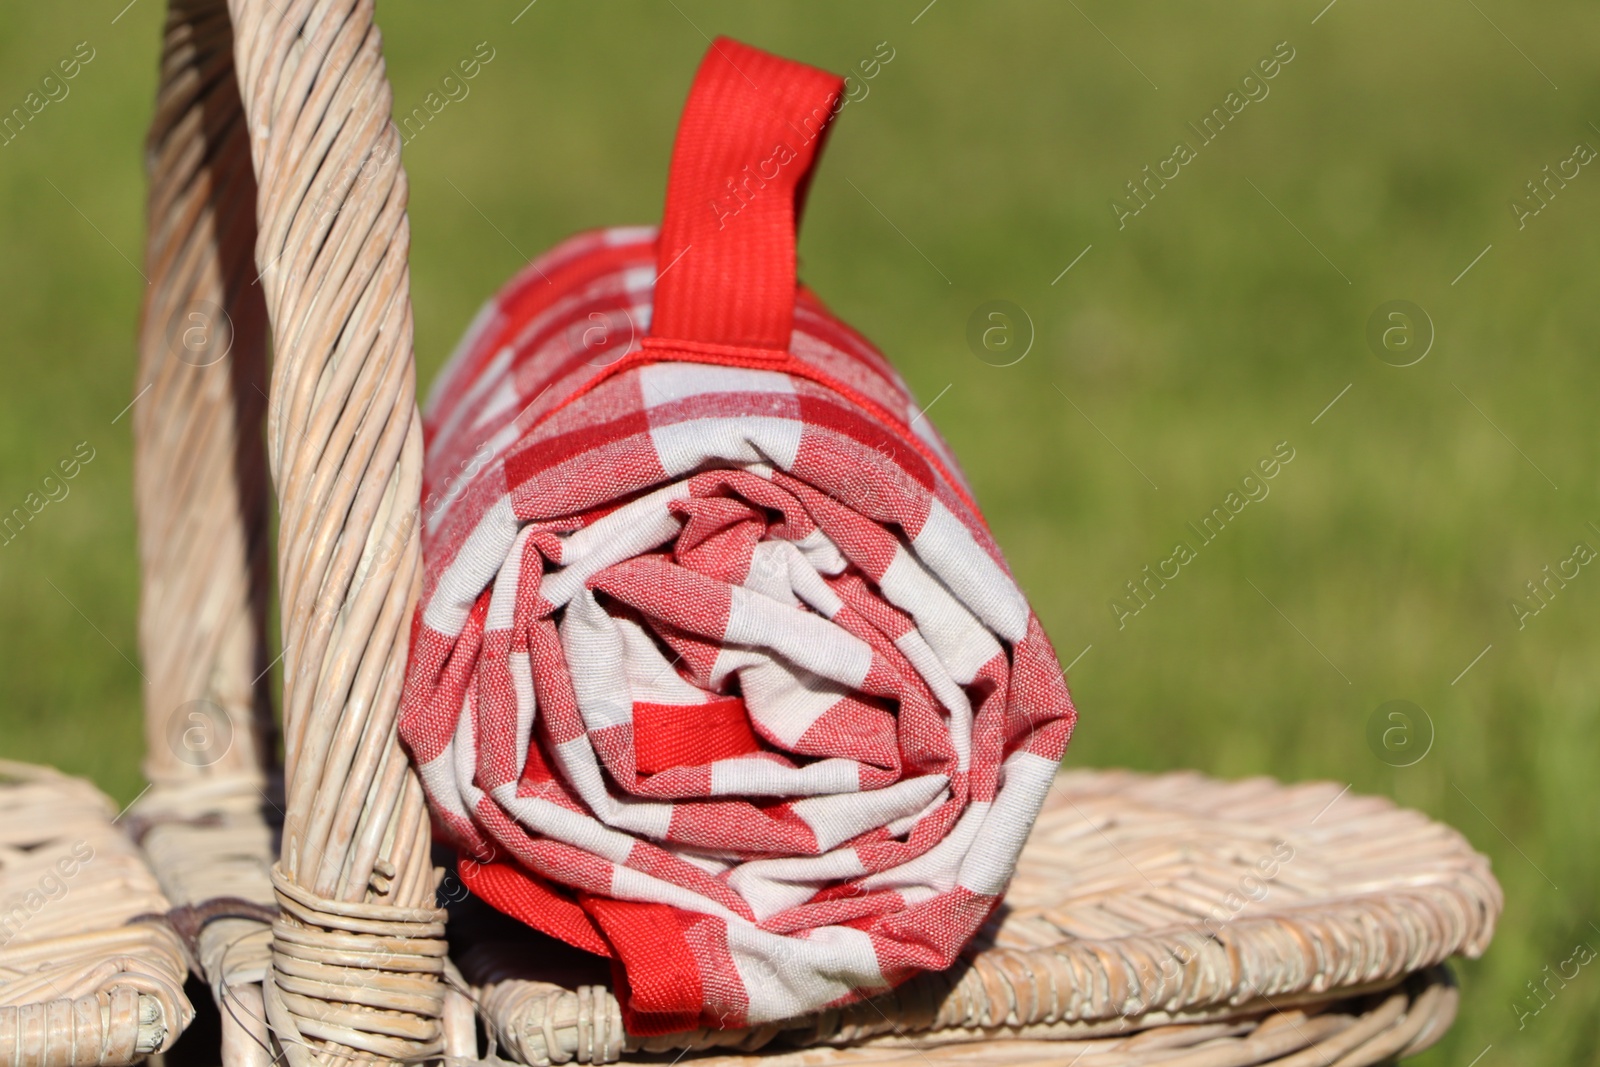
(353, 962)
(89, 971)
(307, 895)
(1140, 903)
(1353, 1032)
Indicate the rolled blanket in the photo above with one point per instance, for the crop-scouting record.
(717, 671)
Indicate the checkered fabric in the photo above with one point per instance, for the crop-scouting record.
(717, 671)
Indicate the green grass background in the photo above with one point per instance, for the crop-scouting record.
(983, 161)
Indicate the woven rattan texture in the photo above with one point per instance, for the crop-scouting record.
(201, 494)
(344, 444)
(1351, 1032)
(278, 206)
(1141, 901)
(89, 972)
(200, 470)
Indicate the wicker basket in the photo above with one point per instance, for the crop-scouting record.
(1169, 919)
(1150, 915)
(90, 971)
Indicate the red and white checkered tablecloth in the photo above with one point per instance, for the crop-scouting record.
(717, 670)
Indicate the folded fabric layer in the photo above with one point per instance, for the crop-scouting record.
(717, 670)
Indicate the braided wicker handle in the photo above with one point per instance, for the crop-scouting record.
(307, 169)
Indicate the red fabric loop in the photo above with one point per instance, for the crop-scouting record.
(751, 131)
(750, 136)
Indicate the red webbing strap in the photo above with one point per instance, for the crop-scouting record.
(749, 136)
(725, 287)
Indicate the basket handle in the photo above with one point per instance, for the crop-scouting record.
(199, 464)
(344, 447)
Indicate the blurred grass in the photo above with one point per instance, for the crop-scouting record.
(984, 158)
